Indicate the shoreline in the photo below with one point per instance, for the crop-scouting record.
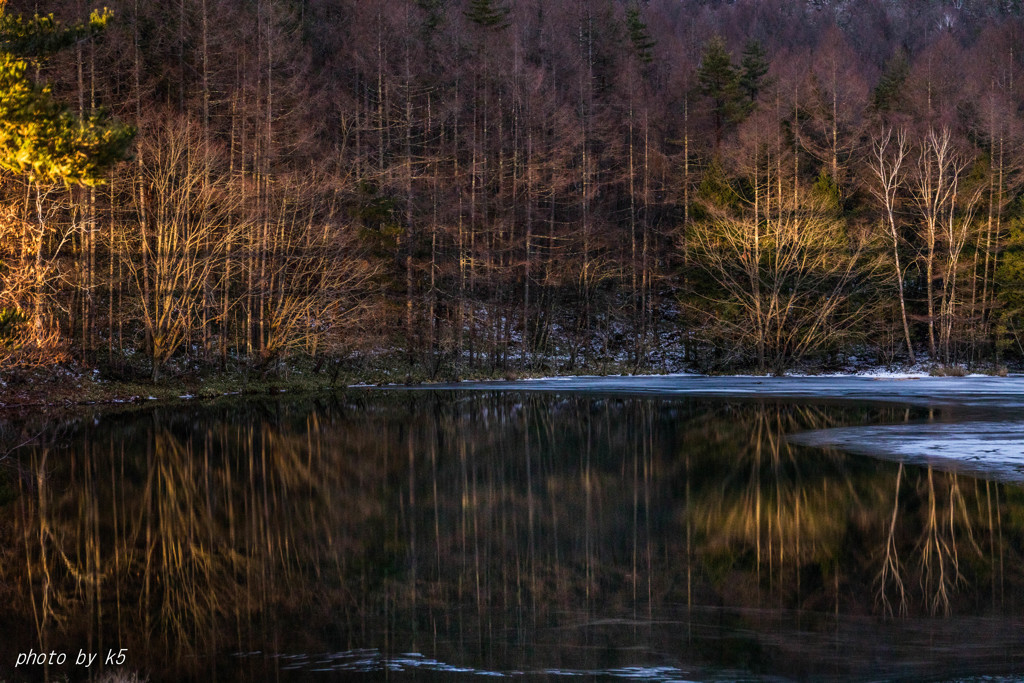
(972, 423)
(56, 390)
(991, 392)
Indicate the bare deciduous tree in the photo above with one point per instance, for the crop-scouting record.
(184, 226)
(782, 280)
(889, 174)
(318, 276)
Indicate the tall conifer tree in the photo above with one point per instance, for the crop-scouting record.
(719, 82)
(639, 36)
(753, 67)
(888, 94)
(487, 13)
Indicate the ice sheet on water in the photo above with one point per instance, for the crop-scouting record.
(907, 388)
(992, 450)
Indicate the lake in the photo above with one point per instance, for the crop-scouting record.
(664, 529)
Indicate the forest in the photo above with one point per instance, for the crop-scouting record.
(490, 187)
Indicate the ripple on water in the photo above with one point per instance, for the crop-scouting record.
(374, 661)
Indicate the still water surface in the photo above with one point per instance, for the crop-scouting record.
(454, 535)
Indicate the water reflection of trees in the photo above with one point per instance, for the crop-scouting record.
(645, 504)
(182, 534)
(800, 514)
(177, 539)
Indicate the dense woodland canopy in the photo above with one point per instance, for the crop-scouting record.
(493, 185)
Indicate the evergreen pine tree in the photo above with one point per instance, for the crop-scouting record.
(888, 93)
(643, 44)
(487, 14)
(39, 137)
(719, 82)
(753, 68)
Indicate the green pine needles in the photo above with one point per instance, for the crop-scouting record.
(40, 137)
(643, 44)
(488, 14)
(732, 91)
(888, 94)
(753, 68)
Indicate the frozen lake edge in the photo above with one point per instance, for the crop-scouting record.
(917, 390)
(981, 434)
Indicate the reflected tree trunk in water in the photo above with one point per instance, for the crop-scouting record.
(892, 569)
(938, 546)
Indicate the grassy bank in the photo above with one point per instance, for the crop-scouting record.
(63, 386)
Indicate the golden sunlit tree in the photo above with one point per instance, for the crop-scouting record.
(46, 146)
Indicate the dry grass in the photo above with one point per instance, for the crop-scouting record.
(947, 371)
